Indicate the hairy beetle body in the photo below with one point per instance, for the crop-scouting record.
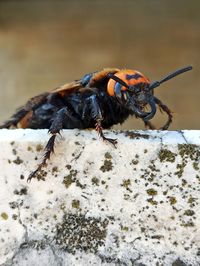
(98, 100)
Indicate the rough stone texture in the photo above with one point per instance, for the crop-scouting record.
(134, 205)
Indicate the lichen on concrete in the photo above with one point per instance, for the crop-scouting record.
(81, 233)
(137, 204)
(166, 155)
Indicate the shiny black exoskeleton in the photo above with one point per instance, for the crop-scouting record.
(98, 100)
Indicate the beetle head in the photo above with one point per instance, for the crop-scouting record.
(135, 92)
(131, 88)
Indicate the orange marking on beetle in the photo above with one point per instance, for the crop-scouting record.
(130, 82)
(24, 122)
(102, 75)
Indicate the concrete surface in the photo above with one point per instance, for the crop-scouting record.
(137, 204)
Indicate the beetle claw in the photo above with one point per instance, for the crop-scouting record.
(112, 141)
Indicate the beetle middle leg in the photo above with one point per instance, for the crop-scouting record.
(97, 116)
(99, 129)
(56, 126)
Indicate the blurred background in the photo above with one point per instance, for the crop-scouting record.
(44, 44)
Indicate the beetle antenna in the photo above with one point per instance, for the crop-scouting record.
(170, 76)
(112, 76)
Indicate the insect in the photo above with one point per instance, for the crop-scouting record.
(98, 100)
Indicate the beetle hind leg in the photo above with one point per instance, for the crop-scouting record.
(56, 127)
(49, 148)
(97, 116)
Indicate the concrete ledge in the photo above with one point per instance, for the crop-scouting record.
(134, 205)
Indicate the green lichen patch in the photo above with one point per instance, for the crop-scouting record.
(150, 172)
(187, 224)
(108, 155)
(189, 151)
(124, 228)
(76, 232)
(75, 204)
(126, 184)
(192, 200)
(180, 167)
(166, 155)
(134, 135)
(4, 216)
(68, 180)
(189, 212)
(107, 166)
(39, 147)
(195, 166)
(71, 178)
(15, 217)
(41, 175)
(79, 184)
(152, 201)
(152, 167)
(152, 192)
(172, 200)
(95, 181)
(29, 148)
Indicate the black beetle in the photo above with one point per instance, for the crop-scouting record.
(98, 100)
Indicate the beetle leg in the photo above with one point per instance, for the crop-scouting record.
(99, 129)
(97, 116)
(49, 148)
(164, 108)
(55, 128)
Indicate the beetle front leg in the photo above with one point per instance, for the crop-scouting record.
(97, 116)
(164, 108)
